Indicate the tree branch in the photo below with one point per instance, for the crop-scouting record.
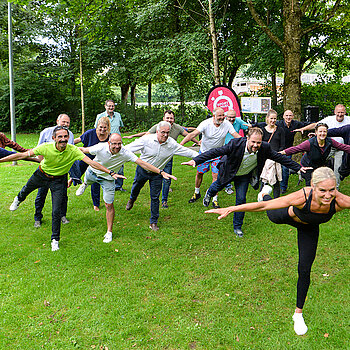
(326, 19)
(264, 26)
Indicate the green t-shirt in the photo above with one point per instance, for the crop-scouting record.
(57, 163)
(175, 131)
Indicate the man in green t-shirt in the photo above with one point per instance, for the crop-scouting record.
(52, 172)
(175, 131)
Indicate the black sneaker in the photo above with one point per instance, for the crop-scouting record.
(216, 205)
(195, 197)
(165, 205)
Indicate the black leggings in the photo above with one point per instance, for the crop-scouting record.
(307, 246)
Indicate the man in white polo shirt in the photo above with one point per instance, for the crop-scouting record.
(337, 120)
(214, 131)
(111, 155)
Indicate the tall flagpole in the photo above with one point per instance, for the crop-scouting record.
(12, 95)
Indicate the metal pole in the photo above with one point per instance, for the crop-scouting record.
(12, 95)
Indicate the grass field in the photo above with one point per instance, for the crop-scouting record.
(191, 285)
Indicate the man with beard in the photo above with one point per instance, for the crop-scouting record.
(58, 157)
(214, 131)
(242, 162)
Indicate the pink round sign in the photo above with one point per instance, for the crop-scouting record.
(224, 97)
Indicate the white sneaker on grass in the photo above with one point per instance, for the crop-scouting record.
(229, 190)
(64, 220)
(54, 245)
(81, 189)
(300, 327)
(108, 237)
(265, 190)
(15, 204)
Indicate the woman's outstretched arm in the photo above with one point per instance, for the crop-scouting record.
(295, 198)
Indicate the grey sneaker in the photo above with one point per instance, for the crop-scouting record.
(81, 189)
(37, 223)
(15, 204)
(64, 220)
(238, 232)
(229, 190)
(206, 199)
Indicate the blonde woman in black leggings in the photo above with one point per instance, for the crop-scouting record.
(305, 209)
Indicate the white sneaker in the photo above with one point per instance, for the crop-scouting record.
(108, 237)
(229, 190)
(54, 245)
(300, 327)
(15, 204)
(64, 220)
(265, 190)
(81, 189)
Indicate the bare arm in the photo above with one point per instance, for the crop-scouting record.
(235, 134)
(140, 134)
(190, 136)
(307, 127)
(85, 150)
(342, 201)
(98, 166)
(152, 168)
(17, 156)
(77, 140)
(296, 198)
(185, 133)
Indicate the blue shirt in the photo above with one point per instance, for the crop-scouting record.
(116, 121)
(89, 138)
(46, 136)
(237, 125)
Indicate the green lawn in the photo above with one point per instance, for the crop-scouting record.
(191, 285)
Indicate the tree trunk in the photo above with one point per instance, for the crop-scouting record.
(81, 91)
(149, 96)
(274, 88)
(182, 103)
(232, 75)
(124, 93)
(292, 57)
(133, 102)
(214, 44)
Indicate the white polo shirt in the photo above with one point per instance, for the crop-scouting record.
(158, 154)
(213, 136)
(107, 159)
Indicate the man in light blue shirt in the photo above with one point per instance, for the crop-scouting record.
(116, 123)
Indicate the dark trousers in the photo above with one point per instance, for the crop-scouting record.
(285, 177)
(58, 188)
(241, 184)
(4, 153)
(155, 186)
(119, 182)
(307, 246)
(95, 187)
(166, 183)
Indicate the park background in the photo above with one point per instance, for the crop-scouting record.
(192, 285)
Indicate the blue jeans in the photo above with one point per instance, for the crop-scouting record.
(166, 183)
(58, 188)
(74, 173)
(155, 186)
(285, 177)
(95, 187)
(119, 182)
(241, 184)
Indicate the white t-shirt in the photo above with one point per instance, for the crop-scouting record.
(213, 136)
(110, 161)
(332, 122)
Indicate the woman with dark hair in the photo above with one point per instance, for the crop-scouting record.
(317, 150)
(305, 210)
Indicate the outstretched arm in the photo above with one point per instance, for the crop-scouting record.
(190, 136)
(20, 156)
(152, 168)
(98, 166)
(296, 198)
(307, 127)
(140, 134)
